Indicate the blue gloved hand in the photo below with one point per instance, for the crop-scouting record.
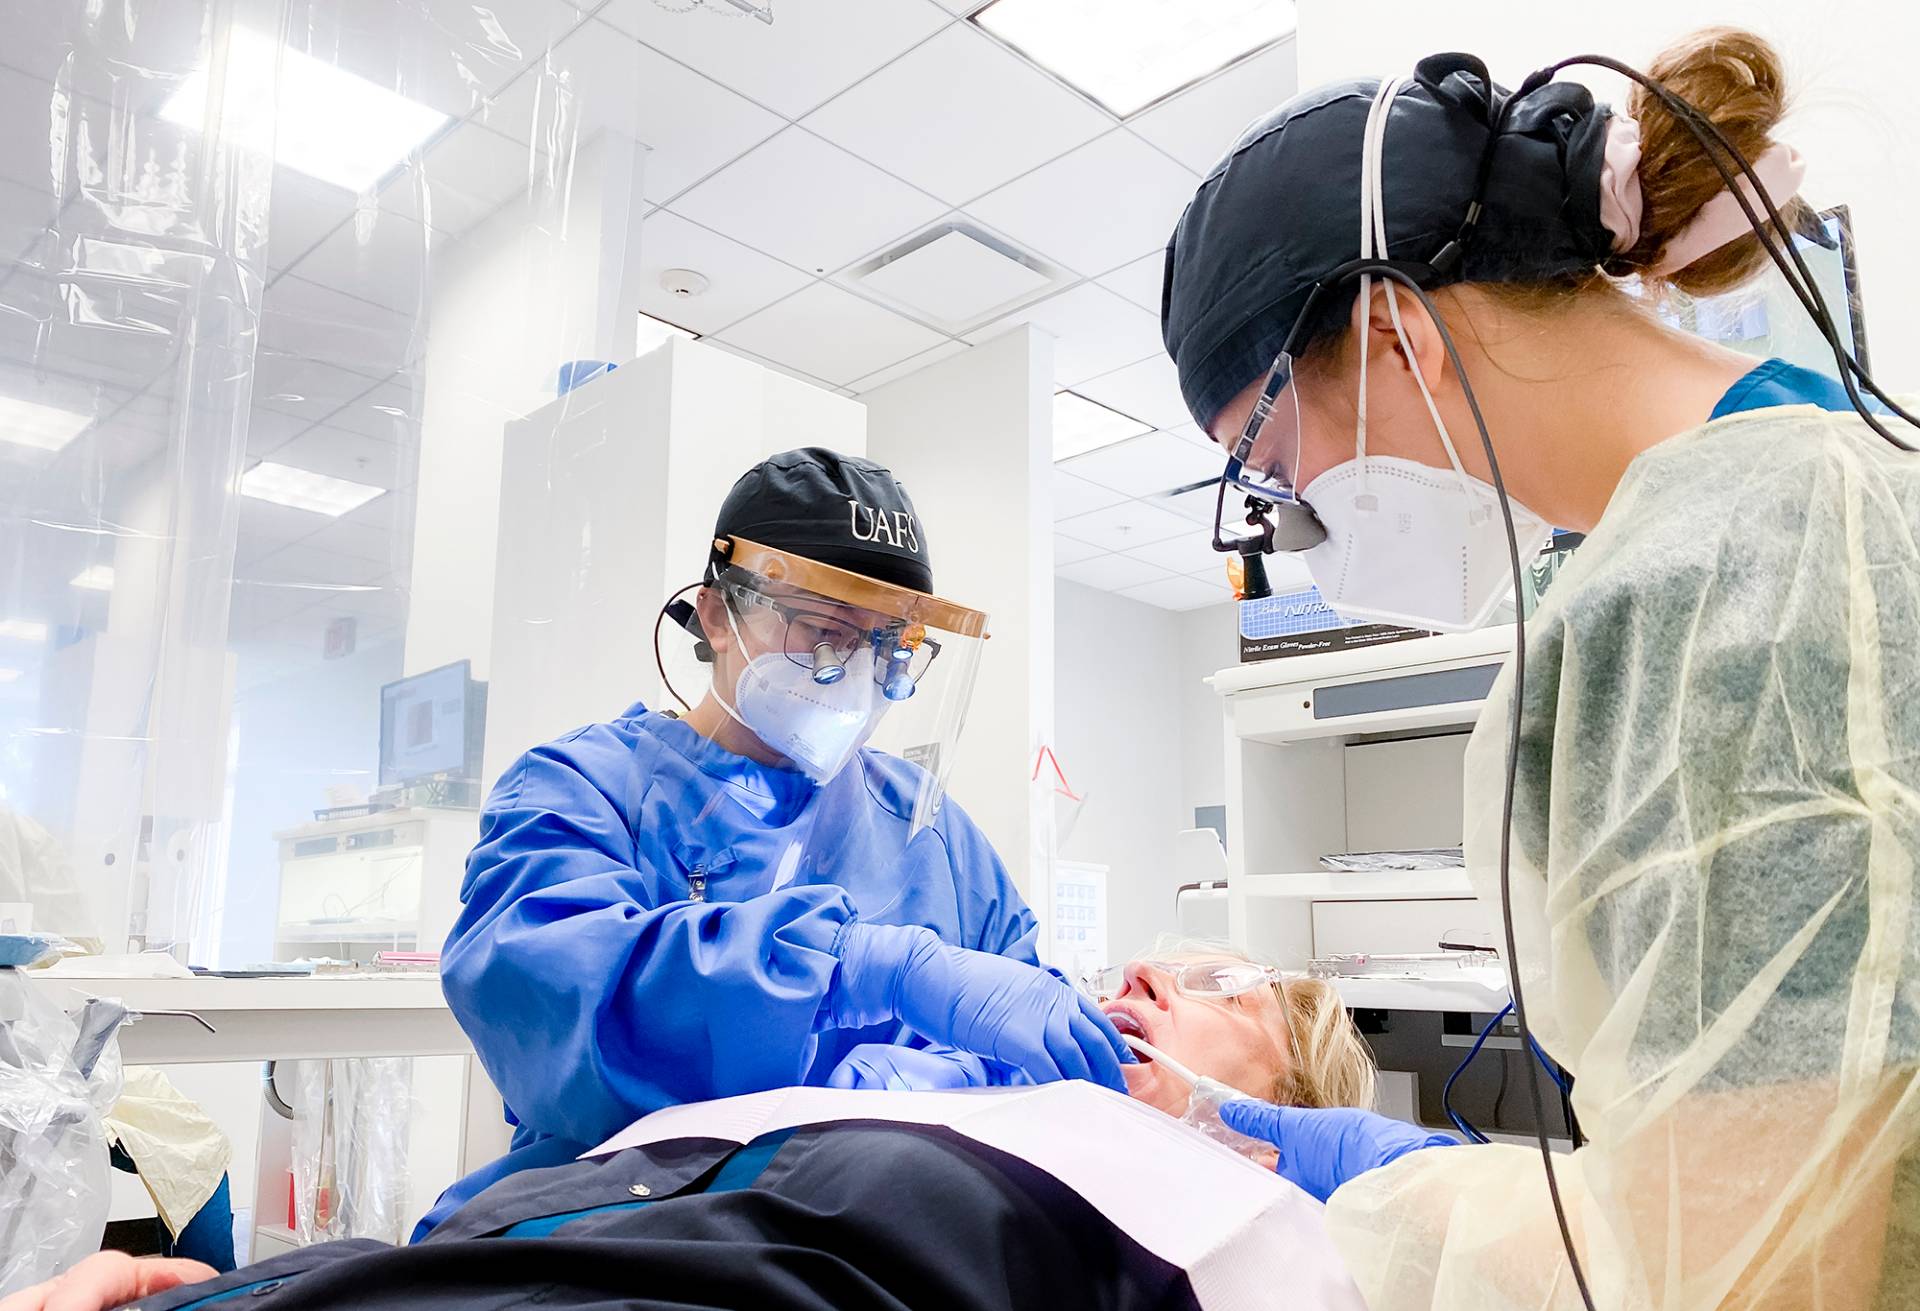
(1322, 1148)
(887, 1065)
(997, 1008)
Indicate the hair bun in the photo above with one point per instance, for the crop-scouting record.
(1737, 80)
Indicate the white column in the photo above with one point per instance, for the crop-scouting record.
(972, 437)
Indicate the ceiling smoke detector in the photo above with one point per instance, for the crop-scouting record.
(683, 283)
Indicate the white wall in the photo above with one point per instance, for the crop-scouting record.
(1209, 642)
(1849, 63)
(971, 438)
(1141, 737)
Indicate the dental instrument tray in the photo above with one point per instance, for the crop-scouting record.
(1402, 965)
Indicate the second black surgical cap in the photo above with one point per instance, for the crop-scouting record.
(1282, 210)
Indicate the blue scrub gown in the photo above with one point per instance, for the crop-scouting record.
(650, 920)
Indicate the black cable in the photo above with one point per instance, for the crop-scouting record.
(660, 661)
(1799, 279)
(1400, 275)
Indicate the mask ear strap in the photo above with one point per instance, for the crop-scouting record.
(1373, 209)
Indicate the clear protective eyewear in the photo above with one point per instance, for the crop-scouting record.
(1266, 458)
(1262, 468)
(821, 636)
(925, 654)
(1218, 980)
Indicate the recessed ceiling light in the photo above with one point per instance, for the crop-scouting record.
(1127, 54)
(655, 332)
(302, 489)
(315, 118)
(22, 630)
(1081, 425)
(8, 675)
(95, 578)
(42, 427)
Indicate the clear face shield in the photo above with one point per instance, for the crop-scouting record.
(826, 662)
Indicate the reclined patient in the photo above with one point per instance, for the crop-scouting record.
(809, 1199)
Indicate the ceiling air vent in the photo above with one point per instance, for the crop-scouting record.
(953, 276)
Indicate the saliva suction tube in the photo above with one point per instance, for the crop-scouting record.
(1204, 1102)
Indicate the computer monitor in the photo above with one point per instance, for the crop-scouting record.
(1765, 319)
(432, 725)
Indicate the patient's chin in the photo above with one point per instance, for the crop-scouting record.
(1147, 1082)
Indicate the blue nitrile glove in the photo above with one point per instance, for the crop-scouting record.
(997, 1008)
(1322, 1148)
(886, 1065)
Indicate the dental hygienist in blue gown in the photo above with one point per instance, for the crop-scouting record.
(665, 909)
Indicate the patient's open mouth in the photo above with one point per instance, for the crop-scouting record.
(1125, 1022)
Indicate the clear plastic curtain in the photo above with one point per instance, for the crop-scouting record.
(274, 274)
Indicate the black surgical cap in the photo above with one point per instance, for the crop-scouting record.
(836, 509)
(1282, 210)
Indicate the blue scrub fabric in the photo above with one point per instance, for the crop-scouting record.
(597, 987)
(1777, 382)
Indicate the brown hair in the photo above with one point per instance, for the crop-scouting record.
(1330, 1063)
(1736, 80)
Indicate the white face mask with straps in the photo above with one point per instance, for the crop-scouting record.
(1408, 543)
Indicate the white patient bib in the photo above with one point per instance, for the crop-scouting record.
(1240, 1232)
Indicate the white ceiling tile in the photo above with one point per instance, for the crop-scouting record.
(1108, 203)
(1190, 553)
(380, 257)
(350, 455)
(1196, 506)
(740, 280)
(1124, 526)
(958, 116)
(831, 334)
(1110, 573)
(268, 430)
(1094, 331)
(945, 350)
(302, 212)
(1197, 126)
(1075, 496)
(1141, 281)
(300, 563)
(1068, 551)
(962, 6)
(389, 412)
(313, 322)
(1148, 390)
(811, 51)
(1180, 593)
(447, 54)
(600, 78)
(1190, 433)
(460, 180)
(303, 388)
(720, 343)
(1143, 466)
(368, 533)
(266, 527)
(808, 202)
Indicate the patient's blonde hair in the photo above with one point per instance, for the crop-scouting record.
(1331, 1065)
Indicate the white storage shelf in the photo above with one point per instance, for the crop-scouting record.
(1357, 885)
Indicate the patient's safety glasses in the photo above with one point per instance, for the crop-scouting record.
(1206, 980)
